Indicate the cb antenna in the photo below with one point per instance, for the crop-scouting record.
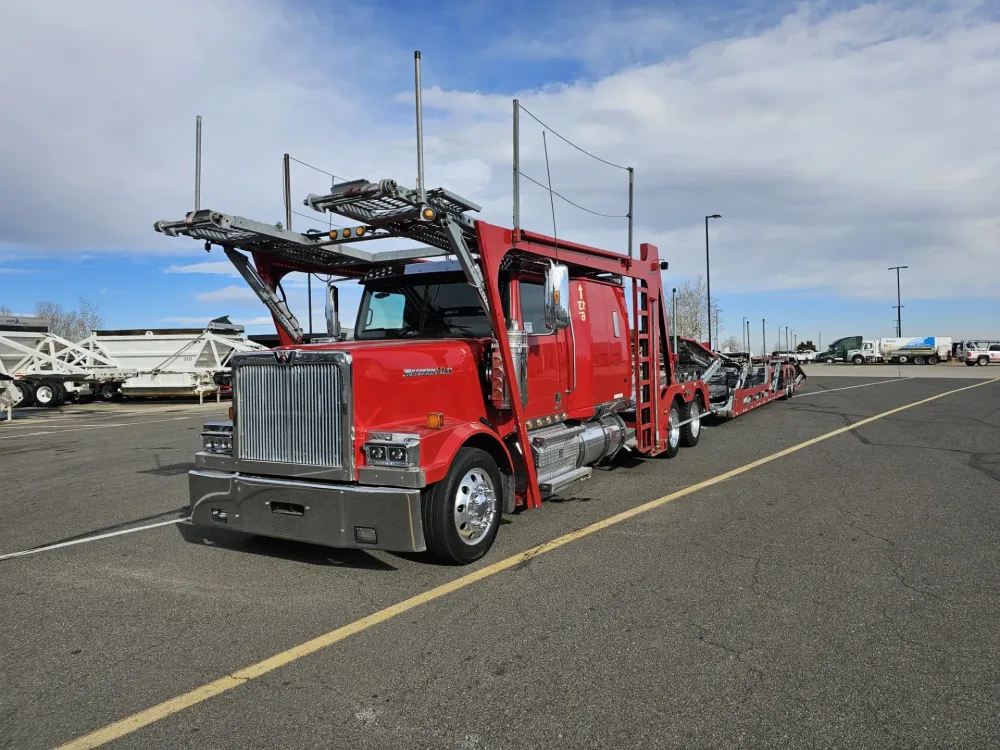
(420, 127)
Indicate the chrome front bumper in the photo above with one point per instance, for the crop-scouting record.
(329, 514)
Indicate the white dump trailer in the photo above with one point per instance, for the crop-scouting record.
(167, 362)
(47, 369)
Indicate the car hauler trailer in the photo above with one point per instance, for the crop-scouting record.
(490, 368)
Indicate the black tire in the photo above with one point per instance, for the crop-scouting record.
(858, 359)
(27, 394)
(970, 363)
(50, 394)
(932, 360)
(903, 359)
(918, 360)
(983, 361)
(439, 508)
(691, 432)
(107, 392)
(673, 418)
(85, 398)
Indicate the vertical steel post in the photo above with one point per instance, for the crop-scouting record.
(517, 167)
(763, 333)
(197, 163)
(749, 343)
(420, 127)
(631, 192)
(287, 178)
(673, 306)
(708, 281)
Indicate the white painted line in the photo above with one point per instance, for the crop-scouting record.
(95, 427)
(848, 387)
(46, 548)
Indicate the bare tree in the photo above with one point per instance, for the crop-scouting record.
(70, 324)
(4, 310)
(692, 315)
(733, 344)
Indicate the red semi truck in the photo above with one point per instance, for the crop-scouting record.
(489, 369)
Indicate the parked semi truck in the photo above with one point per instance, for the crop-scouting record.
(490, 368)
(919, 351)
(837, 351)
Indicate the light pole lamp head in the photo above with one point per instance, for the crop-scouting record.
(714, 216)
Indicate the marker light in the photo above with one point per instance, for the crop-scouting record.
(428, 213)
(435, 420)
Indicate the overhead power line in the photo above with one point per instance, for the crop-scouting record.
(567, 140)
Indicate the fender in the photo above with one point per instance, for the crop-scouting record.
(442, 445)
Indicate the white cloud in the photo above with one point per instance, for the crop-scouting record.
(221, 267)
(229, 294)
(833, 145)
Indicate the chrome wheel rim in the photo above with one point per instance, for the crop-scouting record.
(674, 435)
(475, 506)
(696, 415)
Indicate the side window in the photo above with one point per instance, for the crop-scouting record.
(995, 347)
(385, 311)
(532, 296)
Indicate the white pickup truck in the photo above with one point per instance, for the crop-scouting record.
(978, 353)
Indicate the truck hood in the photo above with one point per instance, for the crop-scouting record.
(396, 383)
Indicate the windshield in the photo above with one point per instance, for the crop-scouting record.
(430, 307)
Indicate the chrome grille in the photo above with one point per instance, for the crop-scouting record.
(289, 414)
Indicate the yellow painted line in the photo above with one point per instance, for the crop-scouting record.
(223, 684)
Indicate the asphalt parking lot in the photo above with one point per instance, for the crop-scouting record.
(835, 592)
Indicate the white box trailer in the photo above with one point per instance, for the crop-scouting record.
(918, 350)
(165, 362)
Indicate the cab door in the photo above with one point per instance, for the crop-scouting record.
(548, 371)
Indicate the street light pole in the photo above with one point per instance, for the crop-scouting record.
(743, 333)
(708, 277)
(899, 309)
(763, 337)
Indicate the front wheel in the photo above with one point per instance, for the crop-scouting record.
(983, 361)
(858, 359)
(461, 513)
(691, 432)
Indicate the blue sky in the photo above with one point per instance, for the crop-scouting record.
(836, 139)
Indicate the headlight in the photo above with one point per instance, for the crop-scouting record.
(393, 450)
(218, 438)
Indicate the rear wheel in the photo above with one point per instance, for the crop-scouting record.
(673, 431)
(970, 363)
(691, 432)
(26, 393)
(461, 513)
(50, 394)
(108, 392)
(918, 360)
(932, 360)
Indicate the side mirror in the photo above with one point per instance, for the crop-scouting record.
(333, 312)
(557, 297)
